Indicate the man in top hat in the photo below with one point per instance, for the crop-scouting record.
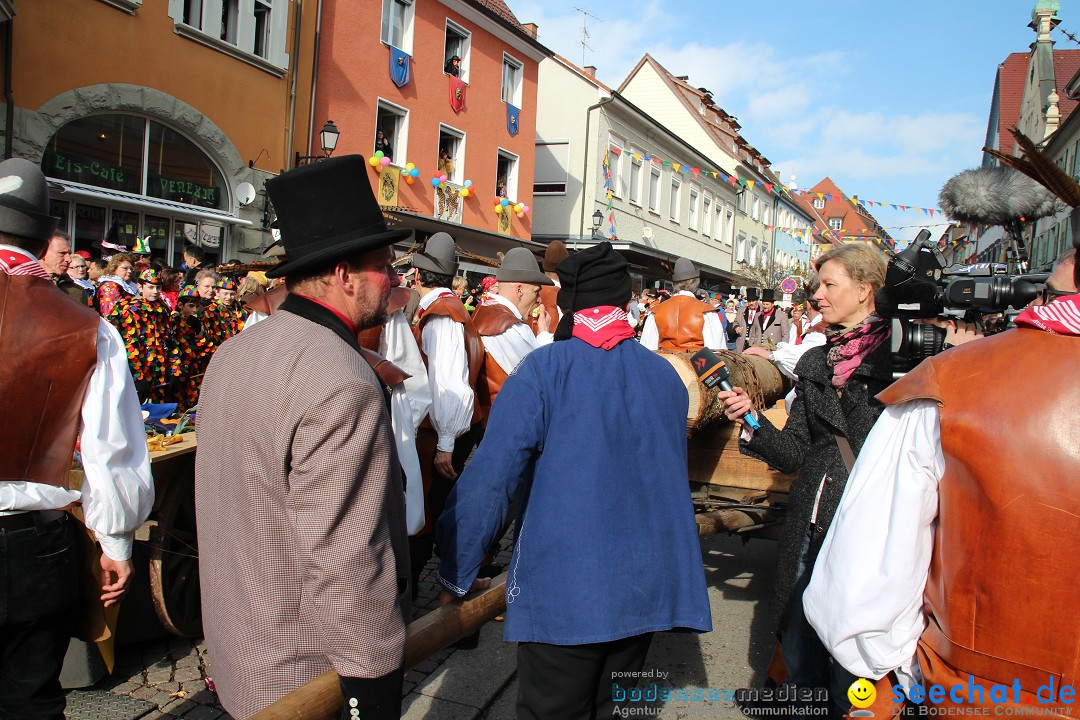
(770, 325)
(746, 318)
(554, 254)
(501, 322)
(597, 568)
(683, 322)
(64, 378)
(315, 485)
(455, 358)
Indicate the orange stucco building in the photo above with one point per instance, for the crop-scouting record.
(359, 44)
(151, 116)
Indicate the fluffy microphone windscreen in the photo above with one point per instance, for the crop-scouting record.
(996, 196)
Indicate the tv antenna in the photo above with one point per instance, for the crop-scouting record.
(585, 31)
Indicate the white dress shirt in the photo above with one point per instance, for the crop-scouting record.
(510, 348)
(409, 403)
(712, 334)
(117, 492)
(865, 597)
(254, 318)
(443, 342)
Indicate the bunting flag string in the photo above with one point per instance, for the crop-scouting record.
(771, 188)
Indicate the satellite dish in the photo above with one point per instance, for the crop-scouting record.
(245, 193)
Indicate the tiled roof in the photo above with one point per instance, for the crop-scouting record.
(499, 8)
(1066, 64)
(1012, 77)
(857, 222)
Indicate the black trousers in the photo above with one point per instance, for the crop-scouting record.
(39, 581)
(574, 682)
(372, 698)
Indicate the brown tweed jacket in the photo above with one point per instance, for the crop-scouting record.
(304, 560)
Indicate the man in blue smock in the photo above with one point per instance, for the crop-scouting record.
(607, 548)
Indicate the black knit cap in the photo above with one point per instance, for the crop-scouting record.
(593, 277)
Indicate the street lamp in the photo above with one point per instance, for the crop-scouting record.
(597, 218)
(328, 139)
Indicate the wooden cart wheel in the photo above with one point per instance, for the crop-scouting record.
(174, 560)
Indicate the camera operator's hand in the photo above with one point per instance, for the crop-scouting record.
(736, 403)
(957, 331)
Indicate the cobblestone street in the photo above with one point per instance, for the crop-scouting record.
(170, 675)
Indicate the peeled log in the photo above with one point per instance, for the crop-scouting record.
(320, 699)
(759, 377)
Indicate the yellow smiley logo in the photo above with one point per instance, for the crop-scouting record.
(862, 693)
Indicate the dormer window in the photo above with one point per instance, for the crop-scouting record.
(819, 203)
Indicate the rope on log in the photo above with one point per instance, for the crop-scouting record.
(320, 699)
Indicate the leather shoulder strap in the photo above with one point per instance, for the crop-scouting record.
(920, 383)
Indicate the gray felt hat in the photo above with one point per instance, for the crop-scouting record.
(24, 201)
(684, 270)
(519, 265)
(439, 255)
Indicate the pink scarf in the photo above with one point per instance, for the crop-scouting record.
(602, 327)
(848, 347)
(1061, 317)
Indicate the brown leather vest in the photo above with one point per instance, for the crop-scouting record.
(1004, 582)
(371, 338)
(452, 308)
(49, 350)
(493, 319)
(680, 322)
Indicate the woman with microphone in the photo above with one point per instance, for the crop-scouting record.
(833, 411)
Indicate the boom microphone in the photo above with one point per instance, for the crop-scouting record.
(996, 196)
(712, 372)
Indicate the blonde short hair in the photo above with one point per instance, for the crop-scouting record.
(116, 260)
(862, 262)
(459, 285)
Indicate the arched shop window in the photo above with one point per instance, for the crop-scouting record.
(140, 156)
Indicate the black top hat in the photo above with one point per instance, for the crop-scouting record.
(327, 212)
(768, 295)
(24, 201)
(751, 293)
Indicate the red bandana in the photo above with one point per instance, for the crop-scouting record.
(1061, 317)
(602, 327)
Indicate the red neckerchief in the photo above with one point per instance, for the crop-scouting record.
(604, 326)
(18, 263)
(348, 323)
(1061, 317)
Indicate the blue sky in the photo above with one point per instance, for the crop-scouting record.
(889, 99)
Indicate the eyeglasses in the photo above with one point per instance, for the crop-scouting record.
(76, 267)
(1049, 294)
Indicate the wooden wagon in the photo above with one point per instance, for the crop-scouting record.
(174, 543)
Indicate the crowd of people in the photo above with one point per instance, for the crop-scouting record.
(170, 319)
(414, 415)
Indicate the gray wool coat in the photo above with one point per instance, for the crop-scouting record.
(807, 445)
(303, 552)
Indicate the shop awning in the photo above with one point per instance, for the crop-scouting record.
(119, 198)
(483, 243)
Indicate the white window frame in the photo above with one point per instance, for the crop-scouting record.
(401, 139)
(766, 213)
(706, 213)
(408, 23)
(615, 162)
(729, 224)
(751, 259)
(565, 182)
(836, 224)
(635, 165)
(692, 208)
(655, 177)
(457, 157)
(674, 207)
(512, 176)
(819, 203)
(755, 209)
(204, 27)
(519, 80)
(740, 201)
(740, 248)
(466, 45)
